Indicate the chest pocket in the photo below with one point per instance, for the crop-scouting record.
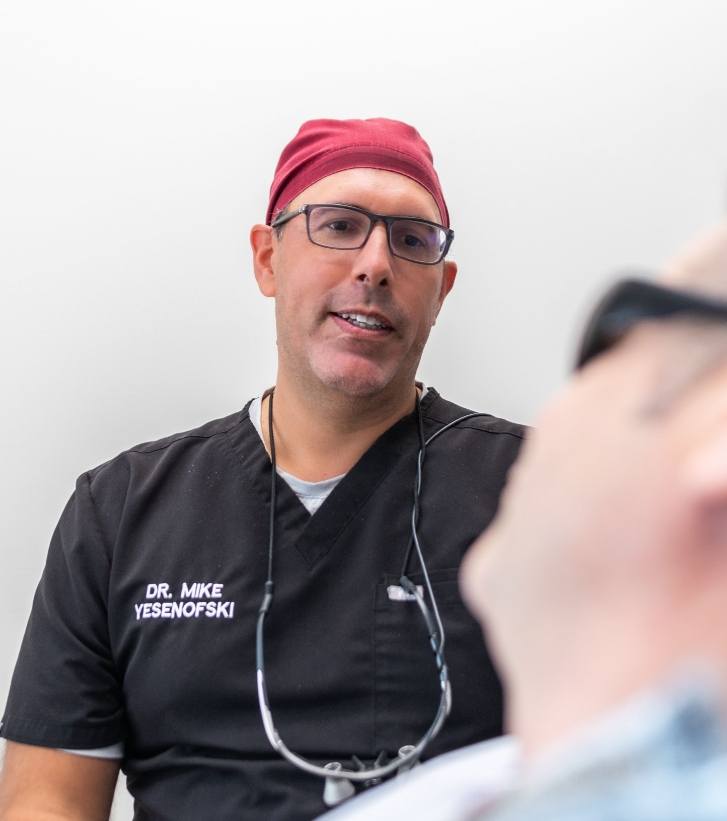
(407, 690)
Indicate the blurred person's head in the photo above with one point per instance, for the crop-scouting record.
(606, 567)
(355, 297)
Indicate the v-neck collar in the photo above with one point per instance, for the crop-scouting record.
(314, 536)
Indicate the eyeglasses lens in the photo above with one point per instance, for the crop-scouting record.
(417, 241)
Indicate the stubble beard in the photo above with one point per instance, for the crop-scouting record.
(317, 374)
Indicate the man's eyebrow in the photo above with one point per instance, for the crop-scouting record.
(405, 216)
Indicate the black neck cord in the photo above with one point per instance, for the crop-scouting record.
(413, 539)
(408, 754)
(423, 445)
(417, 485)
(273, 489)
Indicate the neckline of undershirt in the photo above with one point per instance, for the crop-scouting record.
(311, 494)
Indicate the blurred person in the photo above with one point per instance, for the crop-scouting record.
(602, 582)
(250, 617)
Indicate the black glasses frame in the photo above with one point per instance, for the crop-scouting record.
(388, 220)
(633, 300)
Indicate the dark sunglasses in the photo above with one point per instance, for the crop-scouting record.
(634, 300)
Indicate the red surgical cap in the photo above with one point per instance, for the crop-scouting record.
(323, 147)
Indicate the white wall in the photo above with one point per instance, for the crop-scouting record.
(138, 140)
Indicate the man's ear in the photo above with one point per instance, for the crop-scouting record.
(706, 468)
(706, 482)
(261, 241)
(449, 275)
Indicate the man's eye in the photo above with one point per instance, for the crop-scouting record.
(413, 241)
(339, 226)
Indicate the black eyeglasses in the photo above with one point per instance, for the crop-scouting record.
(633, 300)
(347, 227)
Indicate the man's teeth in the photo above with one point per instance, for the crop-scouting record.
(362, 321)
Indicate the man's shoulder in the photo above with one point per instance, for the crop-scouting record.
(208, 430)
(170, 446)
(445, 412)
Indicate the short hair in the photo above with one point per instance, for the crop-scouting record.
(279, 228)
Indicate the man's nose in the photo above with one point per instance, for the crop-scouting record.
(373, 261)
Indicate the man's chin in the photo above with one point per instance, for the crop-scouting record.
(357, 383)
(356, 387)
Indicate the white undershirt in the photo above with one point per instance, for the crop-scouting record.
(311, 494)
(112, 751)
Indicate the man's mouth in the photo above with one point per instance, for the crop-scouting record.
(365, 321)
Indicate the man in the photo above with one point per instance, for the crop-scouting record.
(602, 582)
(147, 638)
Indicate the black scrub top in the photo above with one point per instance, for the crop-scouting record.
(143, 625)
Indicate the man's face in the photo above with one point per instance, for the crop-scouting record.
(590, 515)
(314, 286)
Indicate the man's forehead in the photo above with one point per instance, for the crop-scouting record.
(375, 189)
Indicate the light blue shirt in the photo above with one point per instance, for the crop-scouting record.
(663, 757)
